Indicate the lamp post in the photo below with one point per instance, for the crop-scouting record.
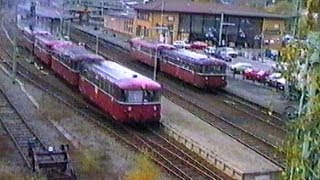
(97, 43)
(60, 26)
(15, 51)
(155, 65)
(102, 13)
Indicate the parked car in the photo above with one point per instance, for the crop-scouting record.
(281, 83)
(181, 44)
(279, 67)
(199, 45)
(222, 56)
(210, 50)
(229, 51)
(275, 80)
(256, 74)
(240, 67)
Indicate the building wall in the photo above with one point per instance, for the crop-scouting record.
(146, 26)
(119, 25)
(170, 20)
(273, 30)
(245, 31)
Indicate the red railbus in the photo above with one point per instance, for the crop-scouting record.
(127, 96)
(194, 68)
(44, 44)
(145, 51)
(191, 67)
(28, 37)
(67, 60)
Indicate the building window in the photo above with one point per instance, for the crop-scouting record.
(138, 30)
(184, 23)
(196, 24)
(143, 15)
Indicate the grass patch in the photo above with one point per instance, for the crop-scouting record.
(9, 173)
(145, 169)
(50, 109)
(91, 163)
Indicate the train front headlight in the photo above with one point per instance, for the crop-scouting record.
(129, 108)
(155, 108)
(206, 78)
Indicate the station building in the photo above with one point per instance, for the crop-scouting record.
(119, 24)
(218, 24)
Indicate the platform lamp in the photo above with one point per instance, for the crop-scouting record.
(155, 64)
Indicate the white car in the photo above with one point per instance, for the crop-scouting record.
(229, 51)
(275, 80)
(181, 44)
(240, 67)
(210, 50)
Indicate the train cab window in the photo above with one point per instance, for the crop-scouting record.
(151, 96)
(134, 96)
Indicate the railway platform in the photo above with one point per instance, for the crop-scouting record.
(229, 155)
(257, 94)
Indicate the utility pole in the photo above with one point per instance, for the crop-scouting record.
(97, 43)
(102, 13)
(221, 28)
(15, 50)
(155, 65)
(33, 12)
(15, 56)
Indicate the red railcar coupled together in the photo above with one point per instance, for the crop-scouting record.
(28, 37)
(67, 60)
(145, 51)
(44, 44)
(191, 67)
(127, 96)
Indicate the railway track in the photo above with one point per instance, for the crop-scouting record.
(166, 152)
(17, 128)
(21, 134)
(251, 125)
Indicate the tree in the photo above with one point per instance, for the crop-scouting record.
(303, 144)
(281, 7)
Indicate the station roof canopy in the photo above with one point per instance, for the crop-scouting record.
(187, 6)
(125, 15)
(46, 12)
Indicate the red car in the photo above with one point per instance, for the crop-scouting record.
(256, 74)
(199, 45)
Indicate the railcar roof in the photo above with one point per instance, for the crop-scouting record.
(193, 57)
(36, 31)
(124, 77)
(49, 39)
(76, 52)
(153, 45)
